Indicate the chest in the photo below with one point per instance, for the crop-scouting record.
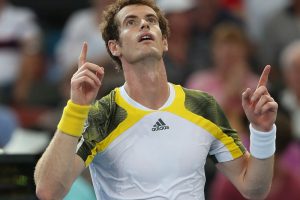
(157, 148)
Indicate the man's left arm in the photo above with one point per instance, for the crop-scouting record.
(253, 172)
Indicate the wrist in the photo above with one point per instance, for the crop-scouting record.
(73, 119)
(262, 143)
(261, 129)
(79, 101)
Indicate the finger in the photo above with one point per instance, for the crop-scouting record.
(100, 74)
(90, 66)
(262, 90)
(89, 74)
(263, 80)
(84, 79)
(262, 101)
(246, 96)
(270, 107)
(82, 57)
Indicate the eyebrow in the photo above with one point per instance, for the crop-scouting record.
(151, 15)
(129, 17)
(134, 16)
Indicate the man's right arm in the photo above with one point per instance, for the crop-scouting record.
(58, 167)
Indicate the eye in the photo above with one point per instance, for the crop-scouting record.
(131, 22)
(152, 20)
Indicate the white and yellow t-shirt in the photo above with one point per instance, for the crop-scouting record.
(138, 153)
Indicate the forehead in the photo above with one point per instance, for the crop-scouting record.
(134, 10)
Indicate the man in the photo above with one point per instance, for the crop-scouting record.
(149, 139)
(20, 54)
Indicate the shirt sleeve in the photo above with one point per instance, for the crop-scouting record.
(227, 145)
(95, 130)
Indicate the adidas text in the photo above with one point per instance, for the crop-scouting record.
(160, 128)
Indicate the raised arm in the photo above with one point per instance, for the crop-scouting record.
(59, 166)
(252, 173)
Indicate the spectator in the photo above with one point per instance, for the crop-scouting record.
(279, 31)
(289, 99)
(207, 15)
(20, 53)
(290, 96)
(257, 13)
(179, 16)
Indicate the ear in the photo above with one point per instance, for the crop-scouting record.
(165, 44)
(114, 48)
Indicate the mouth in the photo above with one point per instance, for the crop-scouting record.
(146, 37)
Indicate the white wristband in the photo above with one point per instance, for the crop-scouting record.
(262, 144)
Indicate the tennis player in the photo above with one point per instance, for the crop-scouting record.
(149, 138)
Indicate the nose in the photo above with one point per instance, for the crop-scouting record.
(144, 24)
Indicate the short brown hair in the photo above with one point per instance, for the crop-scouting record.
(229, 32)
(110, 27)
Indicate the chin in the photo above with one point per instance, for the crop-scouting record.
(150, 54)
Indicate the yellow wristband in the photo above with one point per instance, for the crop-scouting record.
(73, 119)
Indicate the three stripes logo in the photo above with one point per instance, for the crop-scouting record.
(160, 125)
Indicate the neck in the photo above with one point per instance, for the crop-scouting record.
(147, 83)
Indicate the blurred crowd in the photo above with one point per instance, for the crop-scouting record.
(217, 46)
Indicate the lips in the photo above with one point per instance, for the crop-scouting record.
(146, 36)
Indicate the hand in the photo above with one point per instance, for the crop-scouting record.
(260, 108)
(86, 81)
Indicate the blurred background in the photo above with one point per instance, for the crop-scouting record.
(217, 46)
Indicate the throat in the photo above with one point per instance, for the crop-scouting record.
(152, 96)
(147, 84)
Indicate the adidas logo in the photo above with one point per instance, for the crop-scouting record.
(160, 125)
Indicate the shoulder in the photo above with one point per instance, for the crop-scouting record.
(199, 102)
(103, 105)
(198, 97)
(107, 112)
(205, 105)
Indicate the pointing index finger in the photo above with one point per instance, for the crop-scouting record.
(82, 57)
(263, 80)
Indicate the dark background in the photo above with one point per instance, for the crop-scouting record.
(52, 14)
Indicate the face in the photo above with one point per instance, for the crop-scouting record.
(227, 54)
(292, 74)
(140, 36)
